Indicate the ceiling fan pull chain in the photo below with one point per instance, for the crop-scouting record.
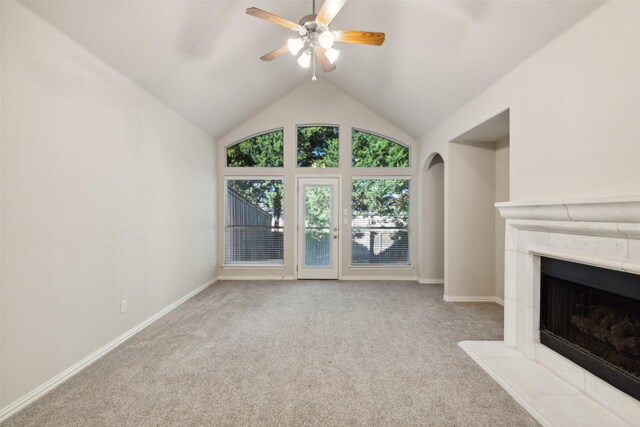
(313, 79)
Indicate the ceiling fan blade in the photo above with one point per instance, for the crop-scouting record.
(327, 66)
(329, 10)
(359, 37)
(275, 53)
(259, 13)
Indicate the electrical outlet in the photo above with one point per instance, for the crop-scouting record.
(123, 306)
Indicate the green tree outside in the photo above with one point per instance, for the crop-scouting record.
(373, 151)
(380, 202)
(265, 150)
(318, 146)
(317, 212)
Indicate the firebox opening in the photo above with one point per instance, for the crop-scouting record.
(591, 316)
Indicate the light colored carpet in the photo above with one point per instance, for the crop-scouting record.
(321, 353)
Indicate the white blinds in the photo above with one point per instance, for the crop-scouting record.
(253, 221)
(380, 221)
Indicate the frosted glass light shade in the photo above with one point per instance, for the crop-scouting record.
(326, 39)
(332, 54)
(305, 59)
(295, 45)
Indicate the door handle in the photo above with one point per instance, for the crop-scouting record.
(335, 236)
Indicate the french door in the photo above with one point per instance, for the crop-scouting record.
(318, 228)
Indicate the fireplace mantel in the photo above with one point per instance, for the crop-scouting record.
(616, 218)
(612, 217)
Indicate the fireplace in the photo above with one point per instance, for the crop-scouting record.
(591, 316)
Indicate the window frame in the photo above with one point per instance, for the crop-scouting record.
(307, 125)
(250, 264)
(226, 147)
(391, 266)
(379, 135)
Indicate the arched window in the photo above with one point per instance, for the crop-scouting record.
(264, 150)
(369, 150)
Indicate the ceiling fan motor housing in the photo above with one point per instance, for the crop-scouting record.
(309, 22)
(310, 30)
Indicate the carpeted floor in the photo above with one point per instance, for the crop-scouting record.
(321, 353)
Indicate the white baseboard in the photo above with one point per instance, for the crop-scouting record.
(379, 278)
(432, 281)
(496, 300)
(231, 277)
(394, 278)
(43, 389)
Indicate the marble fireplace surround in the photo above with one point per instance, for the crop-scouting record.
(600, 232)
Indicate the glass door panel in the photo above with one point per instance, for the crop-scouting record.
(318, 228)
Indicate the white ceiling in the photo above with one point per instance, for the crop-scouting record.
(201, 57)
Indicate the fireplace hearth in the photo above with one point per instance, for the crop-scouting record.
(591, 316)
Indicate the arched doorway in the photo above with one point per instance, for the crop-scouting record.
(432, 221)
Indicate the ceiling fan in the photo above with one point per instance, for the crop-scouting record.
(314, 38)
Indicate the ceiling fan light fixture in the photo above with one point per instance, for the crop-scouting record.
(294, 45)
(326, 39)
(332, 54)
(304, 60)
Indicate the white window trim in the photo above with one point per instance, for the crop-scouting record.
(253, 136)
(391, 266)
(249, 264)
(241, 266)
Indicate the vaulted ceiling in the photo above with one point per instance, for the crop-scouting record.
(201, 57)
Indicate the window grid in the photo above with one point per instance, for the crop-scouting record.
(380, 231)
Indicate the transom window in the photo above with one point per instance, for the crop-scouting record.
(380, 221)
(254, 221)
(318, 146)
(374, 151)
(264, 150)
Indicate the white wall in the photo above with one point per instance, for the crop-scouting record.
(471, 224)
(574, 109)
(106, 195)
(318, 103)
(480, 178)
(432, 222)
(501, 195)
